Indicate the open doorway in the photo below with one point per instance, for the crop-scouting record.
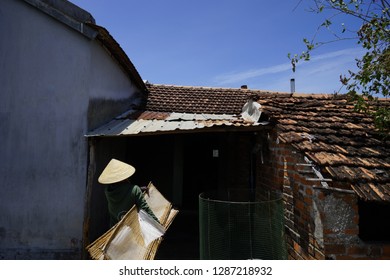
(200, 170)
(181, 166)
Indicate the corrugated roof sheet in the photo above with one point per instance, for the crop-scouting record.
(134, 123)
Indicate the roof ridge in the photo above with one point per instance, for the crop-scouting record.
(67, 13)
(209, 87)
(261, 91)
(319, 95)
(118, 54)
(194, 87)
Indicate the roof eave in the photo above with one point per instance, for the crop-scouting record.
(119, 54)
(84, 23)
(68, 14)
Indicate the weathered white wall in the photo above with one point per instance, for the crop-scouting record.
(50, 74)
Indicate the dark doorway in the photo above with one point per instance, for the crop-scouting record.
(200, 171)
(201, 167)
(373, 221)
(182, 166)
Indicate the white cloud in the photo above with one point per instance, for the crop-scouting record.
(242, 76)
(320, 74)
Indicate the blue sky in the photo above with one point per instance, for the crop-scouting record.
(225, 43)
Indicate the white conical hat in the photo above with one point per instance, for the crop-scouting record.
(116, 171)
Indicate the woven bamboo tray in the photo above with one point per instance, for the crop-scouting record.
(163, 210)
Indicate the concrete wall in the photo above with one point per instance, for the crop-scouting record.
(53, 82)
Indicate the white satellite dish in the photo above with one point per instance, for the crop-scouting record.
(251, 111)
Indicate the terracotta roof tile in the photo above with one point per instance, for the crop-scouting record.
(184, 99)
(342, 142)
(370, 191)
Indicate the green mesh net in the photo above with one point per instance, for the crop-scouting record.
(237, 225)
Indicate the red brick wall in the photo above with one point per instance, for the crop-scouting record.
(320, 223)
(281, 170)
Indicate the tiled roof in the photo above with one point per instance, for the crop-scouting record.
(343, 143)
(181, 99)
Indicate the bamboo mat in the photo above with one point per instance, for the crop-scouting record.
(127, 232)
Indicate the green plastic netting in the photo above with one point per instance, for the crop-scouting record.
(236, 225)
